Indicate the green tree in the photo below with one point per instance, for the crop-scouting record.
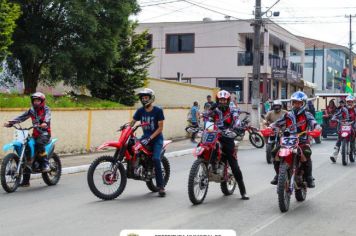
(8, 14)
(129, 71)
(75, 41)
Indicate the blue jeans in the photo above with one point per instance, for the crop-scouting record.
(157, 145)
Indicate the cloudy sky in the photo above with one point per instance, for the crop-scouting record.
(320, 19)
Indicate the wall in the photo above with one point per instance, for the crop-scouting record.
(175, 94)
(83, 130)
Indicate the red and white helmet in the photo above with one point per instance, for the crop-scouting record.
(40, 96)
(223, 94)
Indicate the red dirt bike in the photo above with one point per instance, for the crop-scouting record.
(210, 166)
(291, 176)
(347, 135)
(255, 138)
(107, 175)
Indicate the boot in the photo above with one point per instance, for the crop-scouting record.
(333, 157)
(45, 162)
(276, 169)
(309, 174)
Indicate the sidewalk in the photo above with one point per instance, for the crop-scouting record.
(177, 148)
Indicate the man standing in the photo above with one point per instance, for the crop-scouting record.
(195, 119)
(209, 103)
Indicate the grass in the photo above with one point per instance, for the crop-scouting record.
(79, 101)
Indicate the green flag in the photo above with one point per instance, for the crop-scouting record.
(348, 88)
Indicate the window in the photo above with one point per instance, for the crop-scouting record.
(248, 44)
(180, 43)
(275, 91)
(309, 65)
(184, 80)
(233, 86)
(149, 42)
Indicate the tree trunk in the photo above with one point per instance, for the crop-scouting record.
(30, 80)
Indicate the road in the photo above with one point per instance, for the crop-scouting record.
(71, 209)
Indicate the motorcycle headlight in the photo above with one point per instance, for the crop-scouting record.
(344, 134)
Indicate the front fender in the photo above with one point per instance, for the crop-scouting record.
(114, 144)
(15, 144)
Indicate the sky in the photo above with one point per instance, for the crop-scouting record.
(324, 20)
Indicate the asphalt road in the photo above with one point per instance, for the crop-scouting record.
(71, 209)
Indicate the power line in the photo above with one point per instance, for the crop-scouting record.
(160, 3)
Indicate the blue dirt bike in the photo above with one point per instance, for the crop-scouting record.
(18, 166)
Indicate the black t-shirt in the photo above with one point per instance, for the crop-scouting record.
(151, 117)
(208, 104)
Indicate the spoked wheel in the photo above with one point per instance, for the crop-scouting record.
(9, 180)
(228, 187)
(52, 177)
(344, 152)
(106, 178)
(166, 171)
(283, 191)
(268, 153)
(198, 182)
(256, 140)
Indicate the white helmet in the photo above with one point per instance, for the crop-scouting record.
(277, 103)
(147, 92)
(350, 98)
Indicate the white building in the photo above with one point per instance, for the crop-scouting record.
(219, 54)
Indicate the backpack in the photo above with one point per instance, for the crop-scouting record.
(189, 115)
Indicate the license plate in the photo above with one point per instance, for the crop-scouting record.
(345, 128)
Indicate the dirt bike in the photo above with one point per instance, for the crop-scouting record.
(291, 176)
(23, 161)
(347, 136)
(210, 166)
(273, 137)
(255, 138)
(132, 160)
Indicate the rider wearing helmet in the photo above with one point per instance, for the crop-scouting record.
(40, 115)
(152, 134)
(276, 112)
(298, 120)
(344, 112)
(227, 118)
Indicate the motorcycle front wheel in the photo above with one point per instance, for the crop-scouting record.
(9, 180)
(198, 182)
(106, 178)
(283, 191)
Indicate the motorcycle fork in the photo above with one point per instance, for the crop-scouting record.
(294, 170)
(21, 159)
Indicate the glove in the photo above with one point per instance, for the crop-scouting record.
(8, 125)
(145, 141)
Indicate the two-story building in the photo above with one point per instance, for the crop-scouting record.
(220, 54)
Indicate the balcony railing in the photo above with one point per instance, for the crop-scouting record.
(246, 59)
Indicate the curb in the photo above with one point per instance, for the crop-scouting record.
(84, 168)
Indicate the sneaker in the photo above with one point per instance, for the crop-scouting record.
(25, 185)
(244, 197)
(275, 180)
(333, 157)
(161, 192)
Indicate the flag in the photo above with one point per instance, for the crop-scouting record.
(348, 88)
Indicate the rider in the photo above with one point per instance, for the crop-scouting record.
(275, 113)
(226, 118)
(342, 113)
(298, 120)
(152, 134)
(40, 115)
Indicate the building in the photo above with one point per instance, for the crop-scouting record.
(220, 54)
(330, 60)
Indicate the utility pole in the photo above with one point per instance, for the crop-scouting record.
(313, 76)
(350, 52)
(256, 108)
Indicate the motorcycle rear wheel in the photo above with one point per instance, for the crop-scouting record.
(52, 178)
(256, 140)
(166, 171)
(228, 187)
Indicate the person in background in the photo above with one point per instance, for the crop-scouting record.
(209, 103)
(194, 111)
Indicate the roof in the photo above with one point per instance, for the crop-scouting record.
(309, 44)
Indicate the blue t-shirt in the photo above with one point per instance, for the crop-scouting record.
(151, 117)
(194, 111)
